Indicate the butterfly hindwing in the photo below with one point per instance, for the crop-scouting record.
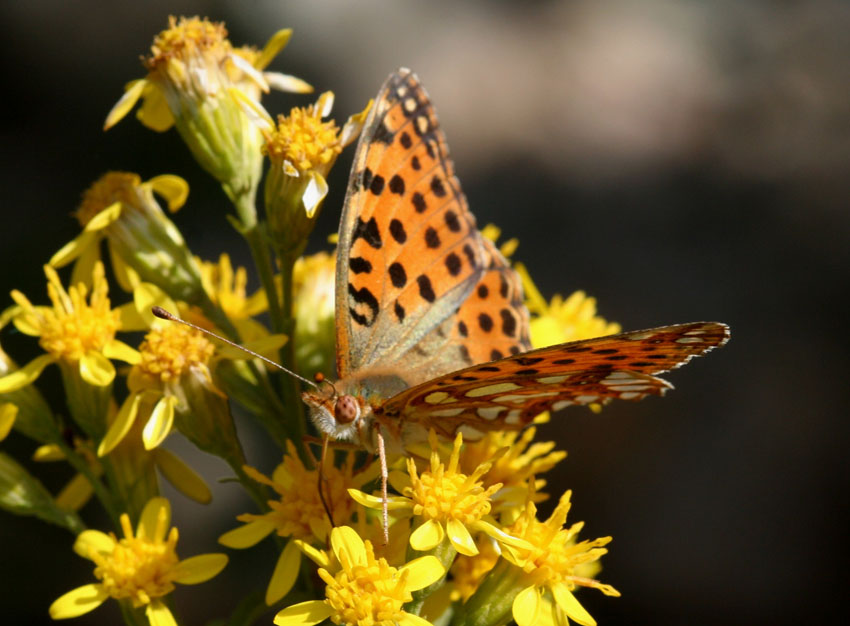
(509, 393)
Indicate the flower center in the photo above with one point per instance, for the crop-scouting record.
(367, 595)
(185, 38)
(73, 326)
(138, 569)
(110, 188)
(303, 139)
(443, 496)
(169, 351)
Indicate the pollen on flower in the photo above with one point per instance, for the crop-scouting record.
(556, 556)
(444, 493)
(299, 513)
(110, 188)
(186, 37)
(73, 326)
(303, 139)
(139, 568)
(169, 351)
(368, 594)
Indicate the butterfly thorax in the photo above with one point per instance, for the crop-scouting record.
(350, 409)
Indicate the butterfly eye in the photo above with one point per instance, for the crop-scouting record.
(346, 409)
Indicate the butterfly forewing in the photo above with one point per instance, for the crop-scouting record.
(509, 393)
(409, 251)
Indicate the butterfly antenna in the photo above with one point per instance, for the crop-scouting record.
(320, 378)
(161, 313)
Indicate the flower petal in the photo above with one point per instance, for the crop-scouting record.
(526, 606)
(314, 193)
(8, 413)
(424, 571)
(159, 424)
(104, 218)
(121, 426)
(186, 480)
(90, 541)
(303, 614)
(146, 296)
(174, 189)
(500, 535)
(348, 546)
(285, 573)
(131, 95)
(75, 494)
(273, 47)
(460, 538)
(47, 453)
(149, 520)
(199, 569)
(248, 535)
(78, 601)
(159, 615)
(96, 369)
(287, 82)
(115, 349)
(72, 249)
(255, 111)
(409, 619)
(319, 557)
(394, 503)
(26, 375)
(569, 605)
(83, 270)
(399, 480)
(154, 112)
(428, 536)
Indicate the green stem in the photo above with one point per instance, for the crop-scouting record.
(103, 495)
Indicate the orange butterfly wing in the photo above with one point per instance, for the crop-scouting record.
(410, 258)
(509, 393)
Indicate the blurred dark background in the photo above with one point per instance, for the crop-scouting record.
(678, 160)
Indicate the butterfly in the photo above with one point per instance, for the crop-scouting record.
(431, 329)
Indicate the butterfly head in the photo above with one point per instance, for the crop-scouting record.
(341, 416)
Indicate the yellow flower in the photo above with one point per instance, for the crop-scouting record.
(142, 567)
(8, 413)
(562, 320)
(144, 245)
(515, 458)
(449, 503)
(79, 490)
(195, 81)
(298, 513)
(302, 149)
(553, 568)
(228, 290)
(366, 590)
(78, 333)
(467, 572)
(173, 363)
(313, 310)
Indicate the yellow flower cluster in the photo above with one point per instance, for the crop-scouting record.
(444, 531)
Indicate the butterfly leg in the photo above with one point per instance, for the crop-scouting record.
(323, 480)
(382, 455)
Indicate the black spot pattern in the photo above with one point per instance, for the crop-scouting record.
(606, 351)
(485, 322)
(383, 134)
(367, 178)
(432, 239)
(503, 286)
(508, 322)
(483, 291)
(495, 355)
(397, 231)
(377, 185)
(462, 329)
(425, 288)
(397, 185)
(529, 360)
(527, 372)
(488, 368)
(368, 231)
(362, 297)
(405, 140)
(399, 311)
(452, 221)
(578, 349)
(418, 202)
(437, 187)
(453, 264)
(470, 254)
(398, 276)
(415, 164)
(563, 362)
(359, 265)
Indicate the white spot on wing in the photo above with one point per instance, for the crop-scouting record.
(689, 339)
(512, 417)
(489, 412)
(586, 399)
(436, 397)
(487, 390)
(518, 398)
(553, 380)
(447, 412)
(562, 404)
